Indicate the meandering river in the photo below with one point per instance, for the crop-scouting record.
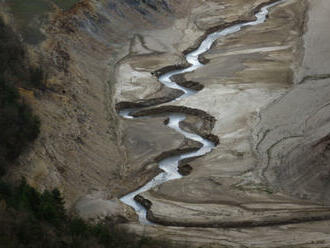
(169, 165)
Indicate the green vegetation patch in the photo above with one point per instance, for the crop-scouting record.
(19, 126)
(31, 219)
(25, 11)
(29, 16)
(65, 4)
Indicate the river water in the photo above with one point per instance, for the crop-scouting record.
(169, 165)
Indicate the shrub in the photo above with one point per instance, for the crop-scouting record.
(18, 125)
(14, 66)
(34, 219)
(37, 78)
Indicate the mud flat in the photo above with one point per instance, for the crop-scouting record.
(243, 75)
(294, 152)
(249, 81)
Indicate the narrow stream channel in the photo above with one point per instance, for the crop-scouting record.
(169, 166)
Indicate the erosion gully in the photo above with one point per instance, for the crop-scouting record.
(169, 166)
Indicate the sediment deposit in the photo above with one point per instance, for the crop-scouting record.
(248, 77)
(264, 91)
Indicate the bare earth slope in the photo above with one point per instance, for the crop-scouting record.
(84, 149)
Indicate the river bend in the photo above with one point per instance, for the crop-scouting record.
(169, 165)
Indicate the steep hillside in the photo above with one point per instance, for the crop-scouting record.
(263, 92)
(82, 148)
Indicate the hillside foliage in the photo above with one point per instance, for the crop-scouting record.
(19, 126)
(31, 219)
(28, 218)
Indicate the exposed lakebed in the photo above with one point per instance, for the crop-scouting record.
(169, 165)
